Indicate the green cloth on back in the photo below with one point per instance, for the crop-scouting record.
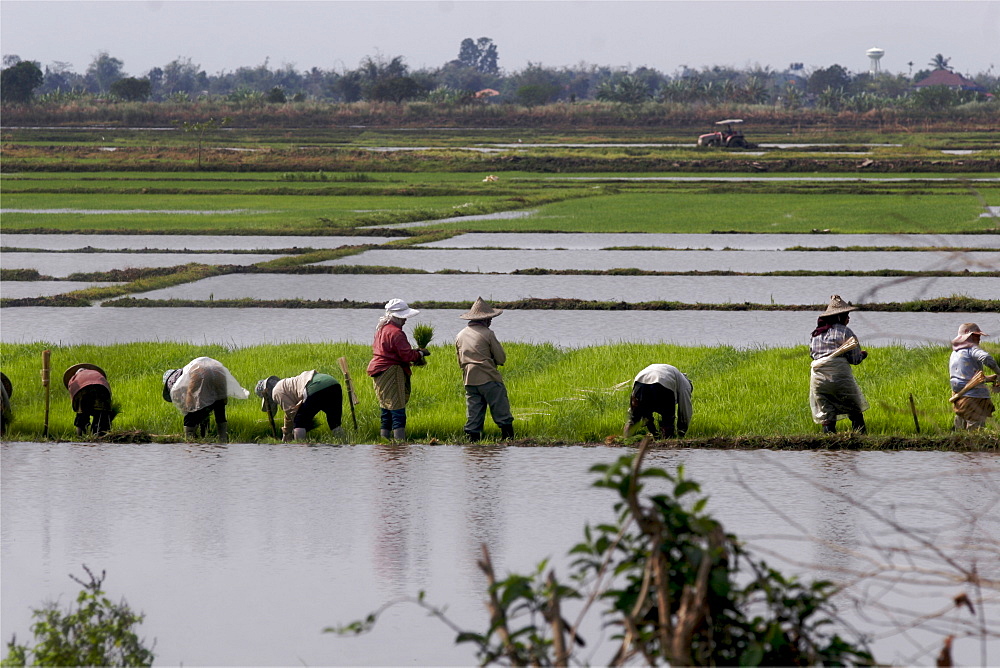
(320, 381)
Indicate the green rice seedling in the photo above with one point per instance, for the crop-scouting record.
(422, 334)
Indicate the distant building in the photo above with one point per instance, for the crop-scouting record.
(949, 79)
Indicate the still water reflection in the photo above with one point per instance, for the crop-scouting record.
(241, 554)
(744, 261)
(688, 289)
(712, 241)
(180, 241)
(64, 264)
(246, 327)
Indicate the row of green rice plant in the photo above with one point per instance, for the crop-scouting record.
(575, 395)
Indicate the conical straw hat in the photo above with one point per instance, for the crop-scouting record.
(838, 305)
(70, 372)
(481, 310)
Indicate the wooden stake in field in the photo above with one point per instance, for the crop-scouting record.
(271, 409)
(352, 398)
(913, 409)
(46, 374)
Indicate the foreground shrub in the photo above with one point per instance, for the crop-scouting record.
(96, 633)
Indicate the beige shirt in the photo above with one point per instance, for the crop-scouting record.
(290, 394)
(479, 355)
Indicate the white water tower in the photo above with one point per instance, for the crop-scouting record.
(874, 55)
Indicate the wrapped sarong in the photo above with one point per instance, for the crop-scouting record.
(833, 392)
(392, 388)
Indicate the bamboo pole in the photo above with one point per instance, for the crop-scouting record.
(352, 398)
(46, 377)
(913, 410)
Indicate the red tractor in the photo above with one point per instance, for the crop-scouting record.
(730, 137)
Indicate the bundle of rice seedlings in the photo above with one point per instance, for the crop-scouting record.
(422, 334)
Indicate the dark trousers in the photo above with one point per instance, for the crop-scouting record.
(329, 400)
(93, 411)
(199, 418)
(652, 398)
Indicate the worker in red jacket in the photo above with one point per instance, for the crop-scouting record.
(392, 356)
(90, 393)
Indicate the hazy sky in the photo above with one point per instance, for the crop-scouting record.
(666, 34)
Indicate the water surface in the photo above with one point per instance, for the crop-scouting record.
(241, 554)
(179, 241)
(688, 289)
(64, 264)
(745, 261)
(597, 241)
(21, 289)
(252, 326)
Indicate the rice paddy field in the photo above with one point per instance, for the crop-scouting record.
(120, 216)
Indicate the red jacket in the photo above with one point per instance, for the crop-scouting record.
(389, 348)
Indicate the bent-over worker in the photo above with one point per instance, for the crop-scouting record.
(6, 411)
(302, 397)
(389, 368)
(90, 393)
(974, 407)
(479, 355)
(199, 390)
(833, 392)
(663, 389)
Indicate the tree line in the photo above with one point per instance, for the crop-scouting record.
(475, 76)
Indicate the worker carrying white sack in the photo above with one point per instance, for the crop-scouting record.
(833, 392)
(200, 389)
(663, 389)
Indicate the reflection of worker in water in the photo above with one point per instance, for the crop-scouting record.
(974, 407)
(6, 412)
(663, 389)
(90, 393)
(302, 397)
(200, 389)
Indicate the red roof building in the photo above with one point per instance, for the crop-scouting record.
(949, 79)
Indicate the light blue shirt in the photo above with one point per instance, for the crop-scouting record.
(964, 364)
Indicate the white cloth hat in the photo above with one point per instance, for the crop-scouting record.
(400, 309)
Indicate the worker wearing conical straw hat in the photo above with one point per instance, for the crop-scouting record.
(389, 368)
(479, 355)
(90, 393)
(833, 392)
(974, 407)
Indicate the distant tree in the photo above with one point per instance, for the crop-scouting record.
(276, 95)
(395, 89)
(628, 89)
(11, 59)
(18, 82)
(348, 87)
(535, 94)
(182, 76)
(481, 55)
(201, 127)
(103, 71)
(939, 62)
(834, 76)
(132, 89)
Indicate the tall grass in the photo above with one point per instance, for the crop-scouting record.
(577, 395)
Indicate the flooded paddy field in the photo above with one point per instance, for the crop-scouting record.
(240, 327)
(597, 241)
(181, 241)
(506, 287)
(21, 289)
(207, 519)
(64, 264)
(502, 261)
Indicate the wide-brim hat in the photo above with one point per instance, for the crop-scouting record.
(70, 372)
(263, 390)
(838, 305)
(481, 310)
(400, 309)
(170, 377)
(7, 386)
(967, 329)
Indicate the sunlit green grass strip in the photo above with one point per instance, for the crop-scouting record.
(557, 395)
(953, 304)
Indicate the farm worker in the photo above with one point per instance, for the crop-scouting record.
(974, 407)
(389, 369)
(479, 355)
(90, 393)
(302, 398)
(663, 389)
(201, 388)
(833, 392)
(6, 413)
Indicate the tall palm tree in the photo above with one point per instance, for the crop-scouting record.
(939, 62)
